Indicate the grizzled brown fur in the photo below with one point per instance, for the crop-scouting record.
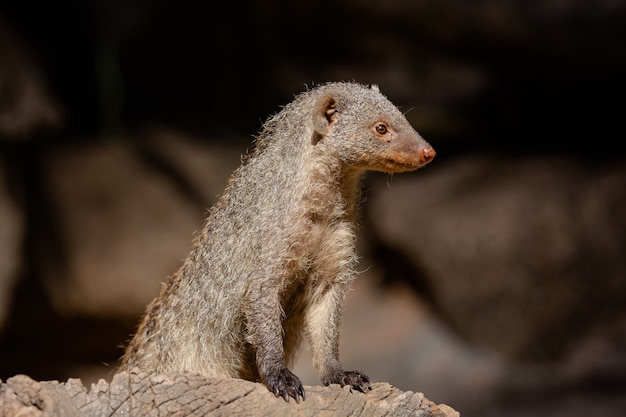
(277, 252)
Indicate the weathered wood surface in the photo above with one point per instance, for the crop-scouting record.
(138, 394)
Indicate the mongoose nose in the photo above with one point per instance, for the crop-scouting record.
(426, 155)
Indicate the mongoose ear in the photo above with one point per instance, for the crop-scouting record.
(325, 116)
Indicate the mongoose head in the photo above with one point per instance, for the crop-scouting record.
(366, 130)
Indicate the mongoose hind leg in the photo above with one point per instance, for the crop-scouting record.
(355, 379)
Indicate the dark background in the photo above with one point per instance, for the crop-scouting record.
(509, 75)
(528, 95)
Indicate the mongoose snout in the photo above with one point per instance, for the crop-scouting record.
(277, 252)
(409, 153)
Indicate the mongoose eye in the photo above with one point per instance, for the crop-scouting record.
(381, 128)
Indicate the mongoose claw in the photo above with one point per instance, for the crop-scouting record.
(285, 384)
(356, 380)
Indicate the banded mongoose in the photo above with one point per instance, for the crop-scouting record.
(277, 251)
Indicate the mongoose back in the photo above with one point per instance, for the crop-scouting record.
(277, 253)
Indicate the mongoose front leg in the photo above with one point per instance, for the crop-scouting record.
(284, 383)
(265, 334)
(322, 323)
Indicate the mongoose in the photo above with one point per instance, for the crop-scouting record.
(277, 253)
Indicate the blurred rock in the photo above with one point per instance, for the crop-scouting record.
(125, 216)
(200, 167)
(123, 227)
(523, 256)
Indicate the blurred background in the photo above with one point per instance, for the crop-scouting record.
(494, 280)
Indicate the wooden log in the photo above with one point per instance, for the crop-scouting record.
(140, 394)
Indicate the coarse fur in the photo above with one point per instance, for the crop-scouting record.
(277, 251)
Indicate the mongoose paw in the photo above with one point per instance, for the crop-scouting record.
(356, 380)
(285, 383)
